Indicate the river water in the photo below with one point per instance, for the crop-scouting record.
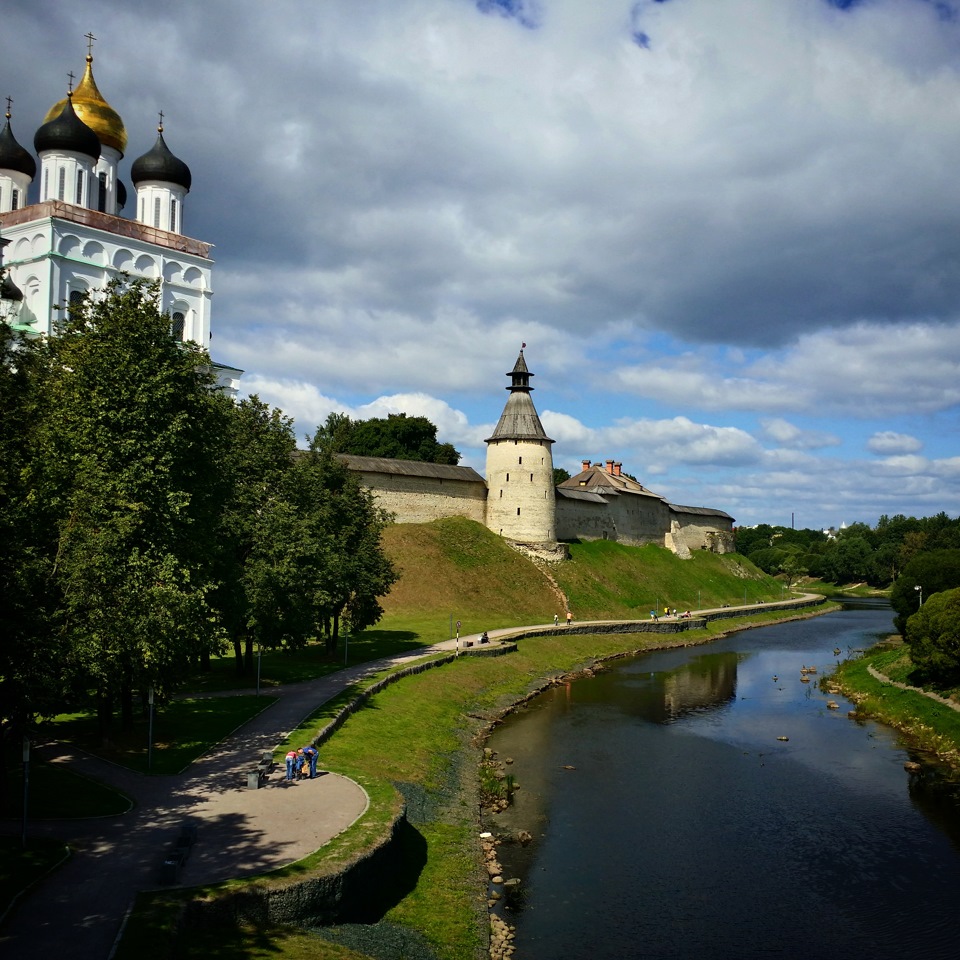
(671, 821)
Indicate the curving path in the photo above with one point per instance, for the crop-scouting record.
(79, 909)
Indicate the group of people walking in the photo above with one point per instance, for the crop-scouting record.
(302, 763)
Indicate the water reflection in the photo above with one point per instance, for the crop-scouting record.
(708, 802)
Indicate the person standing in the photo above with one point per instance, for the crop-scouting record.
(556, 619)
(291, 759)
(311, 753)
(569, 618)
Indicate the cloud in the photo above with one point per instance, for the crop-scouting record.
(786, 434)
(887, 443)
(726, 230)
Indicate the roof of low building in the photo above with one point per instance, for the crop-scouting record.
(567, 493)
(700, 511)
(597, 480)
(410, 468)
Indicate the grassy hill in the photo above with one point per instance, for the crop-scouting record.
(456, 569)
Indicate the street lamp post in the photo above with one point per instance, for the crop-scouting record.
(26, 787)
(150, 730)
(920, 590)
(346, 642)
(259, 658)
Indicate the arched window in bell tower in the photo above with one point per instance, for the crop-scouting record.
(178, 325)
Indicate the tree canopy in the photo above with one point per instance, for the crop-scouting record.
(147, 521)
(933, 633)
(396, 436)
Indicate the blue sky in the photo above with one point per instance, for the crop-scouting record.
(727, 230)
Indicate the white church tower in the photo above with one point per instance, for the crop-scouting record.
(72, 238)
(520, 488)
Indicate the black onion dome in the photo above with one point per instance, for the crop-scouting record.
(67, 132)
(13, 156)
(121, 195)
(9, 290)
(160, 164)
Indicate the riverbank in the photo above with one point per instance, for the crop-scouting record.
(929, 720)
(418, 738)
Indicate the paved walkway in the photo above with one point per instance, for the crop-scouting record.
(78, 910)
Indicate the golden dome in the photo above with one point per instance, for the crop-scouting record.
(94, 111)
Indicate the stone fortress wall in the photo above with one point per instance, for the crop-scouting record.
(520, 502)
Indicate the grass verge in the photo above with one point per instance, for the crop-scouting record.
(928, 724)
(182, 731)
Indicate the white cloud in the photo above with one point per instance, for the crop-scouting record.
(751, 221)
(887, 443)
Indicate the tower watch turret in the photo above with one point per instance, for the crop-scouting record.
(520, 489)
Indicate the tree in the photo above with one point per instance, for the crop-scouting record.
(933, 572)
(933, 633)
(559, 475)
(129, 447)
(260, 451)
(397, 436)
(848, 561)
(792, 569)
(347, 568)
(30, 648)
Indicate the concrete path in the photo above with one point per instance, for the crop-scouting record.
(77, 911)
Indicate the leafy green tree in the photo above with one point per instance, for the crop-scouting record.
(129, 447)
(793, 568)
(933, 633)
(30, 648)
(849, 561)
(933, 572)
(342, 524)
(559, 475)
(260, 451)
(396, 436)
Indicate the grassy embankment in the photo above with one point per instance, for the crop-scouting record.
(414, 739)
(929, 725)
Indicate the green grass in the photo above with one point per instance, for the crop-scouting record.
(606, 580)
(838, 590)
(55, 793)
(929, 725)
(278, 667)
(182, 731)
(20, 867)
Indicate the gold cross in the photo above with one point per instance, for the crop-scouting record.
(90, 38)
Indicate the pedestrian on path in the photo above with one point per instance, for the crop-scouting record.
(291, 764)
(569, 618)
(311, 753)
(556, 619)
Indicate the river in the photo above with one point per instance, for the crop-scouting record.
(707, 803)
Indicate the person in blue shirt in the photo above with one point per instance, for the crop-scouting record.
(311, 753)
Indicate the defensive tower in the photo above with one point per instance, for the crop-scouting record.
(520, 489)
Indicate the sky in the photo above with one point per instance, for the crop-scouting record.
(728, 231)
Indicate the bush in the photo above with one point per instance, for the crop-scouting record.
(933, 633)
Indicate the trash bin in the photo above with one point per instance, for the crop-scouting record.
(170, 870)
(253, 780)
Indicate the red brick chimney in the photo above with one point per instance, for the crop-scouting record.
(610, 466)
(617, 467)
(585, 464)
